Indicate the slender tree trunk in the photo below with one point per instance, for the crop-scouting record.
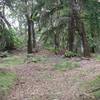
(34, 38)
(93, 37)
(29, 42)
(56, 42)
(71, 33)
(56, 34)
(55, 38)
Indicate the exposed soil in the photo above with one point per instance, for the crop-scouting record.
(40, 81)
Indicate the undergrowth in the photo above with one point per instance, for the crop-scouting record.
(71, 54)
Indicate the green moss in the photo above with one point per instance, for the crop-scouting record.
(67, 65)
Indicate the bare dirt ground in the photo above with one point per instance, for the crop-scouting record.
(40, 81)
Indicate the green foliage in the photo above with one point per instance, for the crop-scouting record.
(6, 80)
(9, 39)
(16, 39)
(71, 54)
(91, 40)
(20, 41)
(67, 65)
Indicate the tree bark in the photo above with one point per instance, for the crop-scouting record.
(81, 29)
(29, 42)
(84, 40)
(56, 42)
(79, 26)
(71, 33)
(33, 33)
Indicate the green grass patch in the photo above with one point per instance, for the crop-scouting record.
(35, 59)
(67, 65)
(39, 58)
(6, 80)
(11, 61)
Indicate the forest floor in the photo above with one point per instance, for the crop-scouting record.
(40, 80)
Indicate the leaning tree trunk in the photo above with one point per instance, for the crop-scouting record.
(29, 42)
(84, 40)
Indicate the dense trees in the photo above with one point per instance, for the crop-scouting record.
(61, 24)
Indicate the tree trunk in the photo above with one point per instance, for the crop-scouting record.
(92, 28)
(81, 30)
(56, 42)
(29, 42)
(75, 9)
(84, 40)
(71, 33)
(34, 38)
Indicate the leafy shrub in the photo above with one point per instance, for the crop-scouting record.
(91, 40)
(71, 54)
(9, 39)
(67, 65)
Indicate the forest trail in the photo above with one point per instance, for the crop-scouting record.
(40, 81)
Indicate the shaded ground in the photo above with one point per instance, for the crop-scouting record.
(40, 81)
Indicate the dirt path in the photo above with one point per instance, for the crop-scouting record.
(41, 81)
